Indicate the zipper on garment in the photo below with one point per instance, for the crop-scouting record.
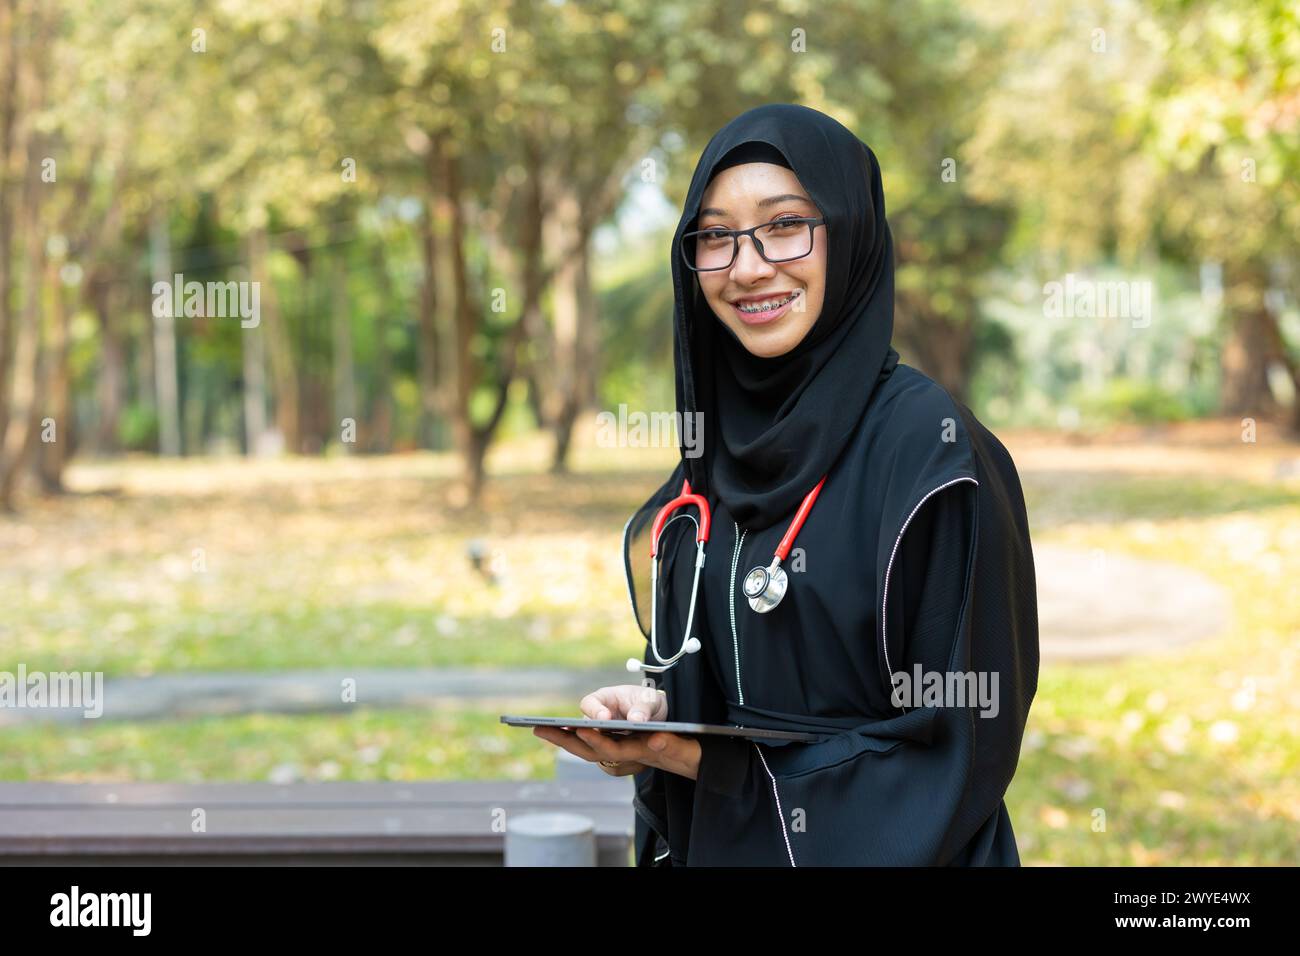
(884, 600)
(731, 606)
(731, 601)
(735, 646)
(780, 814)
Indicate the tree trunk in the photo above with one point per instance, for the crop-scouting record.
(345, 376)
(1284, 355)
(16, 432)
(253, 359)
(1245, 362)
(943, 346)
(17, 440)
(465, 324)
(314, 392)
(53, 455)
(279, 345)
(428, 344)
(563, 374)
(473, 440)
(1248, 349)
(164, 340)
(575, 341)
(381, 405)
(111, 382)
(8, 114)
(531, 239)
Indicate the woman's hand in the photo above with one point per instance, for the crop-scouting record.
(634, 753)
(625, 702)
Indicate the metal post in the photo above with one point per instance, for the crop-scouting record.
(550, 839)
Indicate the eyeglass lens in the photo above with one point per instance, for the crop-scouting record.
(780, 240)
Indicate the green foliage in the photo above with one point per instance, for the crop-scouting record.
(138, 429)
(1131, 400)
(1189, 768)
(637, 336)
(1087, 137)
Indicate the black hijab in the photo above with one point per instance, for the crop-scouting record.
(917, 555)
(774, 426)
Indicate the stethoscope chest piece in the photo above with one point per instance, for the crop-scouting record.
(764, 587)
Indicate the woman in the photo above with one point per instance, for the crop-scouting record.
(911, 571)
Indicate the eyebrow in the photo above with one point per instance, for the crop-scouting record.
(769, 201)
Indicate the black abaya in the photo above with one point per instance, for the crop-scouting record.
(920, 524)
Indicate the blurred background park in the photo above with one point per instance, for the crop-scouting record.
(457, 216)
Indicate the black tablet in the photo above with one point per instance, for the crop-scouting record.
(650, 726)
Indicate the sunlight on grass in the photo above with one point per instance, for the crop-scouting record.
(1193, 756)
(369, 744)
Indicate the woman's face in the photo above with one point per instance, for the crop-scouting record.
(749, 195)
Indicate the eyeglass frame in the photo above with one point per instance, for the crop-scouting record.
(812, 222)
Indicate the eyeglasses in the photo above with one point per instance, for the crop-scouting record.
(781, 240)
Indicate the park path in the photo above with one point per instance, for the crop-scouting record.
(1092, 606)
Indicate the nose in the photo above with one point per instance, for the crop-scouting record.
(749, 265)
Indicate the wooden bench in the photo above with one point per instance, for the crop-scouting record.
(451, 823)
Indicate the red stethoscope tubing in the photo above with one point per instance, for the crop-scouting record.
(702, 530)
(783, 549)
(685, 498)
(692, 644)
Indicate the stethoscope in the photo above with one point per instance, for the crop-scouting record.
(763, 587)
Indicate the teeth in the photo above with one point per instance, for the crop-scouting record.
(769, 305)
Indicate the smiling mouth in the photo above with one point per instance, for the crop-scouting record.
(766, 306)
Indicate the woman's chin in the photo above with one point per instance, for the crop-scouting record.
(768, 342)
(762, 352)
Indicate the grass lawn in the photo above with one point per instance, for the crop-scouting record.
(1192, 757)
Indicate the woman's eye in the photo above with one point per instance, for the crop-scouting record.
(785, 223)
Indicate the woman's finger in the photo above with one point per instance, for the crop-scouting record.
(642, 702)
(672, 752)
(625, 768)
(600, 704)
(588, 744)
(608, 748)
(569, 741)
(625, 701)
(660, 750)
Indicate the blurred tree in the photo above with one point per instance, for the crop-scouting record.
(416, 186)
(912, 84)
(1157, 131)
(27, 31)
(1222, 123)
